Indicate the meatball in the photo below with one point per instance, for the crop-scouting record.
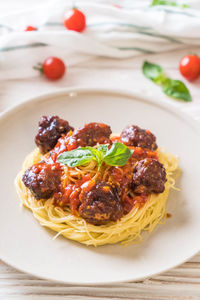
(50, 130)
(101, 204)
(42, 179)
(137, 137)
(149, 176)
(90, 135)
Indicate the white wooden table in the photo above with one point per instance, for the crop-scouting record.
(182, 282)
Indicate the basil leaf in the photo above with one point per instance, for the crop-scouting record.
(176, 89)
(103, 149)
(152, 71)
(169, 3)
(173, 88)
(97, 155)
(117, 155)
(76, 157)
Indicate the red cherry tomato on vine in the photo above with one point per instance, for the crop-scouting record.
(53, 68)
(190, 67)
(30, 28)
(74, 19)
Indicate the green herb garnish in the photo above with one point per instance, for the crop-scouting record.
(117, 155)
(152, 71)
(75, 157)
(173, 88)
(168, 3)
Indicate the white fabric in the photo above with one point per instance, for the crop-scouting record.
(135, 29)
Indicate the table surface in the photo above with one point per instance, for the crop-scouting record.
(182, 282)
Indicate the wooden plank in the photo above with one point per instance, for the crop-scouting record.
(180, 283)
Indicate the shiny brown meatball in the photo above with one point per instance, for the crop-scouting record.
(50, 130)
(42, 179)
(149, 176)
(137, 137)
(90, 135)
(101, 205)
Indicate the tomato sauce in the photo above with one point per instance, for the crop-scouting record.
(61, 146)
(129, 202)
(71, 194)
(122, 178)
(119, 177)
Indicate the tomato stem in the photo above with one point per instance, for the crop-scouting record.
(38, 67)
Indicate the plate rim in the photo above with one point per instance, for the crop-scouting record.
(171, 107)
(167, 104)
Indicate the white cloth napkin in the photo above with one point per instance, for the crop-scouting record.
(134, 29)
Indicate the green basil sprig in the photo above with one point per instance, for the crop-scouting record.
(173, 88)
(117, 155)
(75, 157)
(168, 3)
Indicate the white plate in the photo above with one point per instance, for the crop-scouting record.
(29, 247)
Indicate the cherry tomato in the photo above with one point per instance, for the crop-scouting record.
(74, 19)
(53, 68)
(189, 67)
(30, 28)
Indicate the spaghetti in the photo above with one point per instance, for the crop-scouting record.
(142, 217)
